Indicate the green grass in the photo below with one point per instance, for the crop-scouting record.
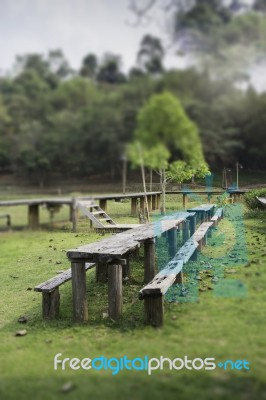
(212, 327)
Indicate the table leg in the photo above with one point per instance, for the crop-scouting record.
(115, 291)
(79, 292)
(149, 260)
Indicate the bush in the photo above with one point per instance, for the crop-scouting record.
(250, 199)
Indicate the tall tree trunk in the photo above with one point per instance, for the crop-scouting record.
(145, 190)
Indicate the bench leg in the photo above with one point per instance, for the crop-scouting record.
(154, 310)
(79, 291)
(194, 256)
(149, 260)
(134, 206)
(101, 272)
(172, 242)
(185, 231)
(126, 269)
(50, 304)
(179, 278)
(115, 291)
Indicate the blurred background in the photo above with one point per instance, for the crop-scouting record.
(74, 75)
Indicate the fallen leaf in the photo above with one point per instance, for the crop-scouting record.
(21, 332)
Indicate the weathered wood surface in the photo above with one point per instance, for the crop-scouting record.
(187, 250)
(115, 297)
(149, 260)
(163, 280)
(202, 231)
(58, 280)
(154, 310)
(50, 304)
(118, 245)
(28, 202)
(79, 291)
(262, 200)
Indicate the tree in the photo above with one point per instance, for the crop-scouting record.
(109, 70)
(89, 66)
(166, 133)
(150, 55)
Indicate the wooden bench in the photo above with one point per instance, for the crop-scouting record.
(8, 219)
(217, 216)
(200, 236)
(153, 292)
(204, 211)
(50, 292)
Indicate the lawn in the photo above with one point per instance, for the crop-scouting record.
(214, 325)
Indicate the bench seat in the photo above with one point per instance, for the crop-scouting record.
(50, 292)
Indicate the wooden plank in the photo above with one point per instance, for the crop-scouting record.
(186, 251)
(202, 230)
(79, 292)
(115, 291)
(51, 284)
(118, 245)
(163, 280)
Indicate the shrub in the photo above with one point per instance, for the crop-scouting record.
(252, 202)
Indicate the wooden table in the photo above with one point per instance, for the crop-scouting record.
(110, 255)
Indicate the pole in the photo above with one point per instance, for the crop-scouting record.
(237, 167)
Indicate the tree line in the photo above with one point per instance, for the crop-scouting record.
(54, 120)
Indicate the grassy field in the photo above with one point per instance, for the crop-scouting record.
(213, 326)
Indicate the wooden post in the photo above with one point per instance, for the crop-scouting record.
(126, 269)
(149, 260)
(194, 256)
(33, 216)
(50, 304)
(74, 215)
(149, 202)
(103, 204)
(153, 306)
(134, 201)
(185, 231)
(158, 201)
(101, 272)
(153, 202)
(185, 201)
(79, 292)
(172, 242)
(179, 278)
(115, 291)
(192, 224)
(200, 245)
(142, 205)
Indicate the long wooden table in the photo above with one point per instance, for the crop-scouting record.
(110, 255)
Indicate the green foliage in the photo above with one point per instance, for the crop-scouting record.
(179, 171)
(250, 199)
(163, 120)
